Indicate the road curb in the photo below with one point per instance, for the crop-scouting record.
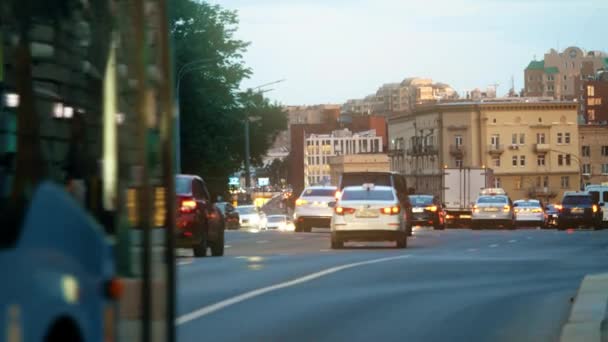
(589, 311)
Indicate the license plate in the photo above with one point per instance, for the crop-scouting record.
(366, 213)
(417, 210)
(465, 216)
(578, 210)
(490, 209)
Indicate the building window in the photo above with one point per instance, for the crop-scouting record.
(565, 182)
(560, 138)
(604, 169)
(497, 182)
(586, 151)
(565, 77)
(591, 114)
(458, 163)
(546, 181)
(522, 138)
(514, 161)
(560, 160)
(496, 162)
(604, 150)
(550, 78)
(518, 183)
(540, 160)
(590, 90)
(514, 139)
(567, 159)
(565, 87)
(567, 138)
(587, 169)
(458, 140)
(540, 138)
(522, 161)
(495, 140)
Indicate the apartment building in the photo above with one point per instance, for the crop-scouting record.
(321, 147)
(533, 147)
(316, 114)
(560, 75)
(594, 106)
(593, 140)
(375, 162)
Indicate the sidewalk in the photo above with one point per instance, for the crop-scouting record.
(587, 321)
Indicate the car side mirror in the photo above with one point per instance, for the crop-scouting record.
(331, 204)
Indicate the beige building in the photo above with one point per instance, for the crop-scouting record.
(533, 147)
(373, 162)
(317, 114)
(593, 140)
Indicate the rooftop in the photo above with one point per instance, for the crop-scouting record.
(536, 65)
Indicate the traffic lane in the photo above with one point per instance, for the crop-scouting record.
(483, 286)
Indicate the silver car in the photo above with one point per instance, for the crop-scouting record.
(493, 211)
(530, 212)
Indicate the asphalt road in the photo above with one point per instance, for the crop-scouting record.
(457, 285)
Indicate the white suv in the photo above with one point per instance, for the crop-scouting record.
(314, 208)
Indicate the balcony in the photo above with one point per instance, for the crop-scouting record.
(457, 150)
(396, 151)
(542, 148)
(496, 149)
(422, 150)
(540, 191)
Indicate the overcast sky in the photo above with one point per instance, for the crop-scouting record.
(333, 50)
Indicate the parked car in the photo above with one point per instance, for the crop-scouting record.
(530, 212)
(493, 209)
(579, 209)
(552, 211)
(200, 223)
(250, 216)
(314, 208)
(392, 179)
(231, 216)
(368, 213)
(278, 222)
(427, 210)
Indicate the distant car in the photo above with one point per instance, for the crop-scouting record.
(278, 222)
(200, 223)
(552, 211)
(250, 216)
(314, 208)
(427, 210)
(368, 213)
(579, 209)
(530, 212)
(231, 216)
(491, 211)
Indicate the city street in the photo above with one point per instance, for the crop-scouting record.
(489, 285)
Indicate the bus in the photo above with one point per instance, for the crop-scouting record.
(86, 171)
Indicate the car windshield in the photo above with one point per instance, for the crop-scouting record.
(246, 210)
(275, 219)
(183, 185)
(530, 204)
(577, 200)
(492, 200)
(368, 195)
(319, 193)
(421, 200)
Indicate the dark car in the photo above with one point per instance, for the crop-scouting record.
(552, 214)
(231, 216)
(427, 210)
(396, 180)
(200, 223)
(579, 209)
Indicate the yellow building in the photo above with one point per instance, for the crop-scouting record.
(533, 147)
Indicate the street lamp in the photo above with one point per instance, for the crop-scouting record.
(186, 68)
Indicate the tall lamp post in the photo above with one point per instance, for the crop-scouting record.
(186, 68)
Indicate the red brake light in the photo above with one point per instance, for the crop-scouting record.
(390, 210)
(187, 205)
(114, 288)
(342, 210)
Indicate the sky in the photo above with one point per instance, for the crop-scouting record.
(329, 51)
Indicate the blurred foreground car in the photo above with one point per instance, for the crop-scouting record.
(314, 208)
(530, 212)
(231, 216)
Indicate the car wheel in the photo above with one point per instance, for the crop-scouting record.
(300, 227)
(561, 226)
(475, 225)
(200, 250)
(337, 244)
(217, 247)
(402, 241)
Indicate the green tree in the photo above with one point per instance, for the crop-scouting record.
(212, 109)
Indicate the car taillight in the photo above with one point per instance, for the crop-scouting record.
(338, 194)
(475, 208)
(343, 210)
(506, 208)
(114, 288)
(391, 210)
(187, 205)
(537, 210)
(432, 208)
(559, 207)
(595, 208)
(300, 201)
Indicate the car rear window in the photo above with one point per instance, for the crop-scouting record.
(527, 204)
(319, 193)
(421, 200)
(577, 200)
(362, 178)
(491, 199)
(183, 185)
(368, 195)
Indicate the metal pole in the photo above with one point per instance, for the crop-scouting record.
(247, 153)
(178, 142)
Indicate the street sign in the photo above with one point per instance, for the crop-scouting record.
(234, 181)
(264, 181)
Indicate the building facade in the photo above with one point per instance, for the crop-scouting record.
(374, 162)
(560, 75)
(321, 147)
(532, 147)
(594, 105)
(594, 153)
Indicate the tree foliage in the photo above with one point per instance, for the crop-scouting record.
(212, 108)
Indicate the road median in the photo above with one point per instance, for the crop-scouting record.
(588, 314)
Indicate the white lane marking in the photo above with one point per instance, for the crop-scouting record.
(262, 241)
(185, 262)
(206, 310)
(529, 238)
(472, 250)
(324, 250)
(512, 241)
(227, 246)
(493, 245)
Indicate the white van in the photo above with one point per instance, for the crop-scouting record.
(602, 195)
